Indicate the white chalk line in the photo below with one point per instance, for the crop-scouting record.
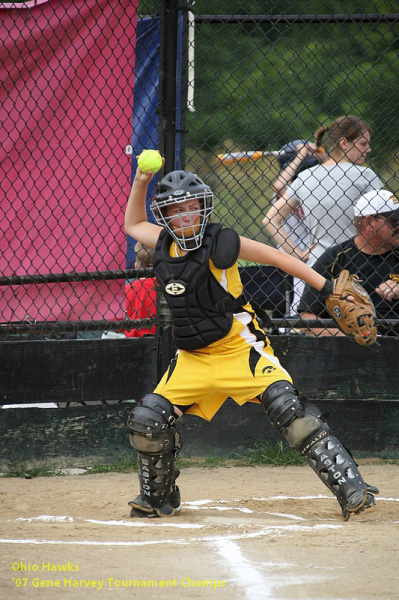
(272, 530)
(286, 516)
(204, 504)
(167, 523)
(318, 497)
(142, 523)
(220, 508)
(246, 575)
(255, 583)
(150, 524)
(387, 499)
(45, 519)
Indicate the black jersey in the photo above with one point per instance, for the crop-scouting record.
(371, 269)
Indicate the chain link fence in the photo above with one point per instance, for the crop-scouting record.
(266, 79)
(220, 90)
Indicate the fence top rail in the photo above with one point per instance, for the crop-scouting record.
(74, 277)
(40, 327)
(286, 19)
(47, 327)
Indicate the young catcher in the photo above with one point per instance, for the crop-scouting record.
(222, 351)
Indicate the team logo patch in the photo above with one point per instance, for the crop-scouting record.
(175, 288)
(394, 277)
(337, 312)
(268, 369)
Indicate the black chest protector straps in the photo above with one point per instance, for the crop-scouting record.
(202, 310)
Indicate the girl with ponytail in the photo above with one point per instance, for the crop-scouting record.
(327, 192)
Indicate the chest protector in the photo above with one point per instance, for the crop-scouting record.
(202, 310)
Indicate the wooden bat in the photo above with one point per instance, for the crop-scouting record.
(232, 157)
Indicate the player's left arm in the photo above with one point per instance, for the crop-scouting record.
(267, 255)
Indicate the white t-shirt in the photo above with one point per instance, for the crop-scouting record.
(296, 226)
(327, 193)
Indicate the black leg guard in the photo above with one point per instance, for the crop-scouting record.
(306, 431)
(155, 438)
(337, 469)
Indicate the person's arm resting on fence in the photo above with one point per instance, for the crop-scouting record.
(273, 223)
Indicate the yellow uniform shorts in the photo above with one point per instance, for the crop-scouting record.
(233, 366)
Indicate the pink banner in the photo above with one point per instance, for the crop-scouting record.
(26, 4)
(66, 104)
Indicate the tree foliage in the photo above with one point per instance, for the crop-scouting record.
(258, 86)
(262, 85)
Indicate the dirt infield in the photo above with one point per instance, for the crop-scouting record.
(254, 533)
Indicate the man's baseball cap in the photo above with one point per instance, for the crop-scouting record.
(377, 202)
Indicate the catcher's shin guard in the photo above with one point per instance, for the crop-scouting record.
(306, 431)
(155, 438)
(337, 469)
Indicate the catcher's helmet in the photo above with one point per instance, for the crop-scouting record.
(288, 153)
(177, 187)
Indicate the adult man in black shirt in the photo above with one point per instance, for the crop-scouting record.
(373, 255)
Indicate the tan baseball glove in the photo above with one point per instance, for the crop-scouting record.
(355, 320)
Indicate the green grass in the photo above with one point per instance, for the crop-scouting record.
(124, 464)
(21, 470)
(205, 462)
(267, 453)
(261, 453)
(129, 463)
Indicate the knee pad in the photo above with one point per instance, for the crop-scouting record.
(151, 425)
(301, 424)
(306, 430)
(151, 415)
(281, 403)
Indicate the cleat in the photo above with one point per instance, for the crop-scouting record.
(166, 510)
(173, 507)
(345, 514)
(135, 513)
(141, 505)
(367, 501)
(141, 508)
(175, 498)
(356, 500)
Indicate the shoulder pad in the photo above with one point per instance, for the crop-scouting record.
(226, 249)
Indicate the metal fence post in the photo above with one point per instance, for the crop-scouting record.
(167, 82)
(171, 117)
(164, 339)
